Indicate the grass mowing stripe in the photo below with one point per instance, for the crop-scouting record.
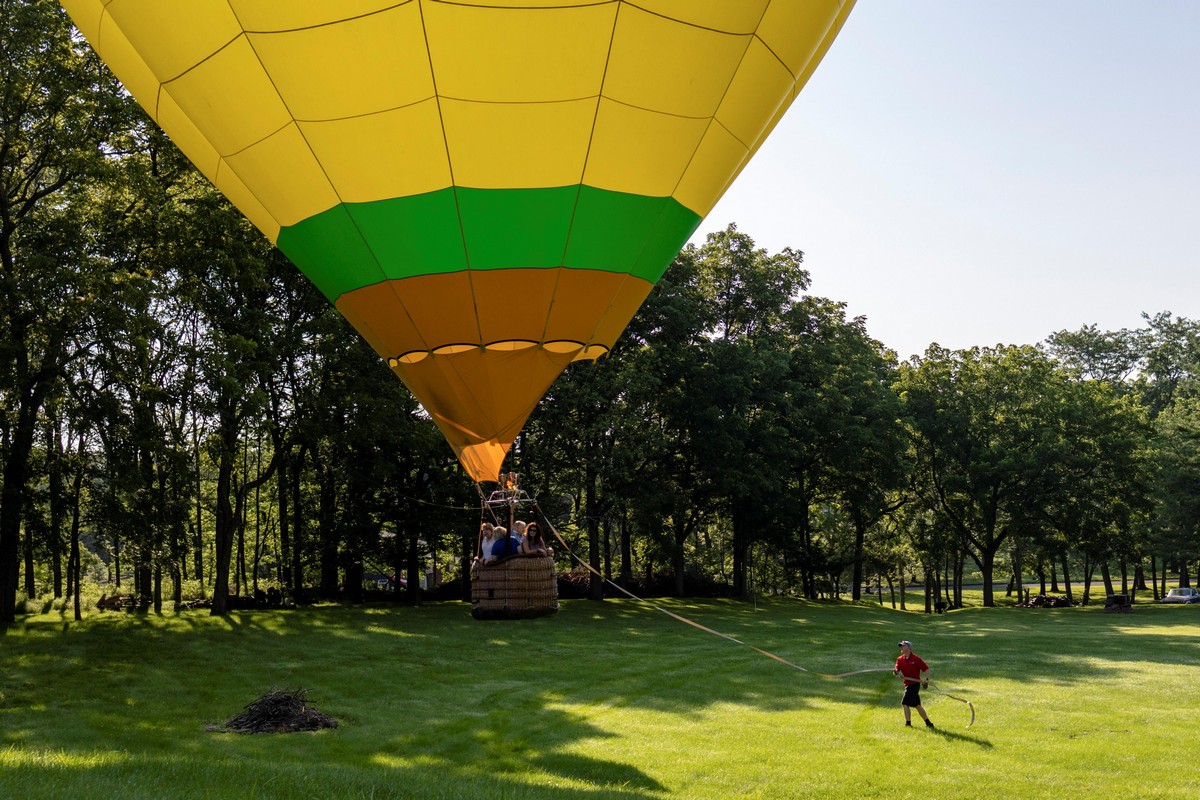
(608, 700)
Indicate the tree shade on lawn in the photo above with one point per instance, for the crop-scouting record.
(486, 190)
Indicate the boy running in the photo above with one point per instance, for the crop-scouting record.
(916, 676)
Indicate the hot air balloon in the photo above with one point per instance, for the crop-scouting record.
(486, 189)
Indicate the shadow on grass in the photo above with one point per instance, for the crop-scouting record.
(432, 704)
(435, 704)
(966, 738)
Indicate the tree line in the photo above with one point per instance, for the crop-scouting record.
(183, 412)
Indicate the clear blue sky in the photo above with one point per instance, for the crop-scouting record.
(972, 173)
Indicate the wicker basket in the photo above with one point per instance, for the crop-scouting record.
(520, 587)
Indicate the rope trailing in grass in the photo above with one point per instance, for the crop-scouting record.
(970, 705)
(706, 629)
(691, 622)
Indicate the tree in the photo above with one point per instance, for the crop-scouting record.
(232, 276)
(667, 396)
(1109, 356)
(983, 439)
(1170, 357)
(1177, 453)
(1007, 441)
(751, 293)
(842, 430)
(58, 108)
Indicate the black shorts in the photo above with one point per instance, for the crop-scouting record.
(912, 695)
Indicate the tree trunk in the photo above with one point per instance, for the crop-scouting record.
(413, 595)
(114, 565)
(626, 575)
(326, 530)
(57, 500)
(73, 573)
(177, 584)
(1108, 583)
(679, 523)
(157, 588)
(1089, 569)
(75, 570)
(12, 498)
(354, 580)
(742, 536)
(297, 584)
(592, 504)
(987, 570)
(1018, 582)
(226, 519)
(804, 534)
(860, 538)
(1067, 578)
(469, 546)
(285, 544)
(239, 572)
(256, 557)
(27, 550)
(606, 550)
(198, 532)
(404, 567)
(959, 573)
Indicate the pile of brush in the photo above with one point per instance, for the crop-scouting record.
(280, 711)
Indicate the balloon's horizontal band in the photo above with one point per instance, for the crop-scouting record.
(459, 229)
(475, 309)
(580, 350)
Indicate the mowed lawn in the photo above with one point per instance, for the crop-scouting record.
(609, 700)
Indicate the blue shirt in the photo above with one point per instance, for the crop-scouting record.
(508, 546)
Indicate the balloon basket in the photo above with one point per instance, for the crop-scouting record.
(521, 587)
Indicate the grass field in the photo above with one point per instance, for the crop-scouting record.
(611, 700)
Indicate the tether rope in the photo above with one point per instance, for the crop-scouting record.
(680, 618)
(693, 623)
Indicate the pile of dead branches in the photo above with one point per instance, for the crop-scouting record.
(1046, 601)
(120, 602)
(280, 711)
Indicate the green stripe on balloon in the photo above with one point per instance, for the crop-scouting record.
(353, 245)
(628, 233)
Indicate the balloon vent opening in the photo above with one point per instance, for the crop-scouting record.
(578, 350)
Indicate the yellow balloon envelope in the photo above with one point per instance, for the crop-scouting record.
(486, 189)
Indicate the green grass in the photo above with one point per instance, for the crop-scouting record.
(612, 700)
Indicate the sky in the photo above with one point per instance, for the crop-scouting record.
(974, 173)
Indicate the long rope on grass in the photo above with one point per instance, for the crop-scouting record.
(691, 622)
(679, 617)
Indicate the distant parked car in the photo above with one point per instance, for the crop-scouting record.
(1187, 595)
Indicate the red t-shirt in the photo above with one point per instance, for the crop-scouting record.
(911, 667)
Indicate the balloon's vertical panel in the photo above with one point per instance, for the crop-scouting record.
(486, 189)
